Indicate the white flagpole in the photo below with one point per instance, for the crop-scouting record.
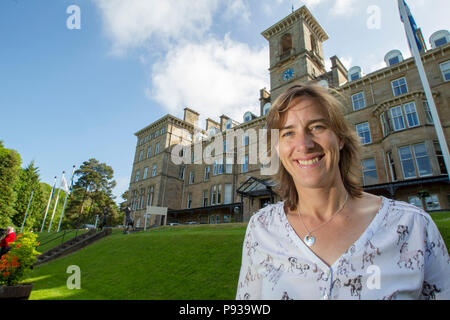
(26, 213)
(48, 204)
(426, 85)
(65, 200)
(56, 204)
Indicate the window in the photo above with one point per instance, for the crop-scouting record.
(205, 198)
(440, 42)
(138, 173)
(440, 158)
(394, 60)
(150, 195)
(416, 155)
(228, 124)
(145, 173)
(358, 101)
(266, 108)
(225, 149)
(219, 193)
(156, 133)
(157, 148)
(191, 177)
(245, 139)
(384, 124)
(134, 200)
(189, 200)
(355, 76)
(228, 193)
(428, 115)
(154, 170)
(445, 70)
(244, 166)
(363, 131)
(286, 44)
(432, 202)
(369, 172)
(391, 164)
(141, 198)
(213, 194)
(163, 130)
(207, 172)
(407, 162)
(229, 165)
(149, 152)
(422, 160)
(411, 114)
(141, 155)
(399, 87)
(181, 173)
(414, 200)
(397, 118)
(247, 116)
(145, 139)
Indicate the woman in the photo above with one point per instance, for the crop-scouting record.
(328, 239)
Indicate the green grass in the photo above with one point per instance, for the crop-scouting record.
(52, 239)
(182, 262)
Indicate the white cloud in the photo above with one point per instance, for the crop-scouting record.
(343, 8)
(213, 78)
(132, 23)
(310, 3)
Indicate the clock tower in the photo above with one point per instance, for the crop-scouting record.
(296, 54)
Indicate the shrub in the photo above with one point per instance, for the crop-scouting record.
(19, 260)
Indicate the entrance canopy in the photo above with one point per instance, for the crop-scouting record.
(255, 187)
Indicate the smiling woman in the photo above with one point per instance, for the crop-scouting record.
(328, 239)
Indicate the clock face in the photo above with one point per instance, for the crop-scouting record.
(288, 74)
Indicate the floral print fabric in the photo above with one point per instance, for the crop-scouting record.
(401, 255)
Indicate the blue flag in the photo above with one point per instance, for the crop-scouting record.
(413, 26)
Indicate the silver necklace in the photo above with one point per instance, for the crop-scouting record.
(309, 239)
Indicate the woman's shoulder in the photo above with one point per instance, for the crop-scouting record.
(267, 215)
(406, 211)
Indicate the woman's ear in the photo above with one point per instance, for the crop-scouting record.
(341, 144)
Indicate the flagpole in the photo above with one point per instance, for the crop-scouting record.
(26, 213)
(48, 204)
(426, 85)
(65, 200)
(56, 204)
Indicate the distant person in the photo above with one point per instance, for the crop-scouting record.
(9, 238)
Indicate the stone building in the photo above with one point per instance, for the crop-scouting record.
(221, 181)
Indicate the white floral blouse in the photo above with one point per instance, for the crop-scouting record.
(401, 255)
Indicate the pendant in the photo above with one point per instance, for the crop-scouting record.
(309, 240)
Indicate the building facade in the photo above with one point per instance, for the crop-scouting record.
(218, 179)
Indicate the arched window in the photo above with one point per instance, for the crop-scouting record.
(393, 57)
(439, 38)
(354, 73)
(247, 116)
(266, 108)
(286, 44)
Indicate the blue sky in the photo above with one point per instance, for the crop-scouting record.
(67, 95)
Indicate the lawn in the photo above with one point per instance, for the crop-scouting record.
(181, 262)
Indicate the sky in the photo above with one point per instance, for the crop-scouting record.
(79, 77)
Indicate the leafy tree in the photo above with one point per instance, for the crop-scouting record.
(9, 174)
(91, 193)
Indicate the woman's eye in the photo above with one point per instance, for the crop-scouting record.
(286, 134)
(317, 128)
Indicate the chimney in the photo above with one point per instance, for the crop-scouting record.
(338, 71)
(190, 116)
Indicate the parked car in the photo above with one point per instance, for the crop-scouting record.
(174, 224)
(192, 222)
(87, 226)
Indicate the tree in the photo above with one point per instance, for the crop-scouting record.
(91, 193)
(27, 183)
(9, 174)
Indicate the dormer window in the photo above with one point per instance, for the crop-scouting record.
(354, 73)
(393, 57)
(212, 131)
(266, 108)
(439, 38)
(247, 116)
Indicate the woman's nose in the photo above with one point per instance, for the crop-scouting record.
(304, 142)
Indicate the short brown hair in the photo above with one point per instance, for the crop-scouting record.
(349, 163)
